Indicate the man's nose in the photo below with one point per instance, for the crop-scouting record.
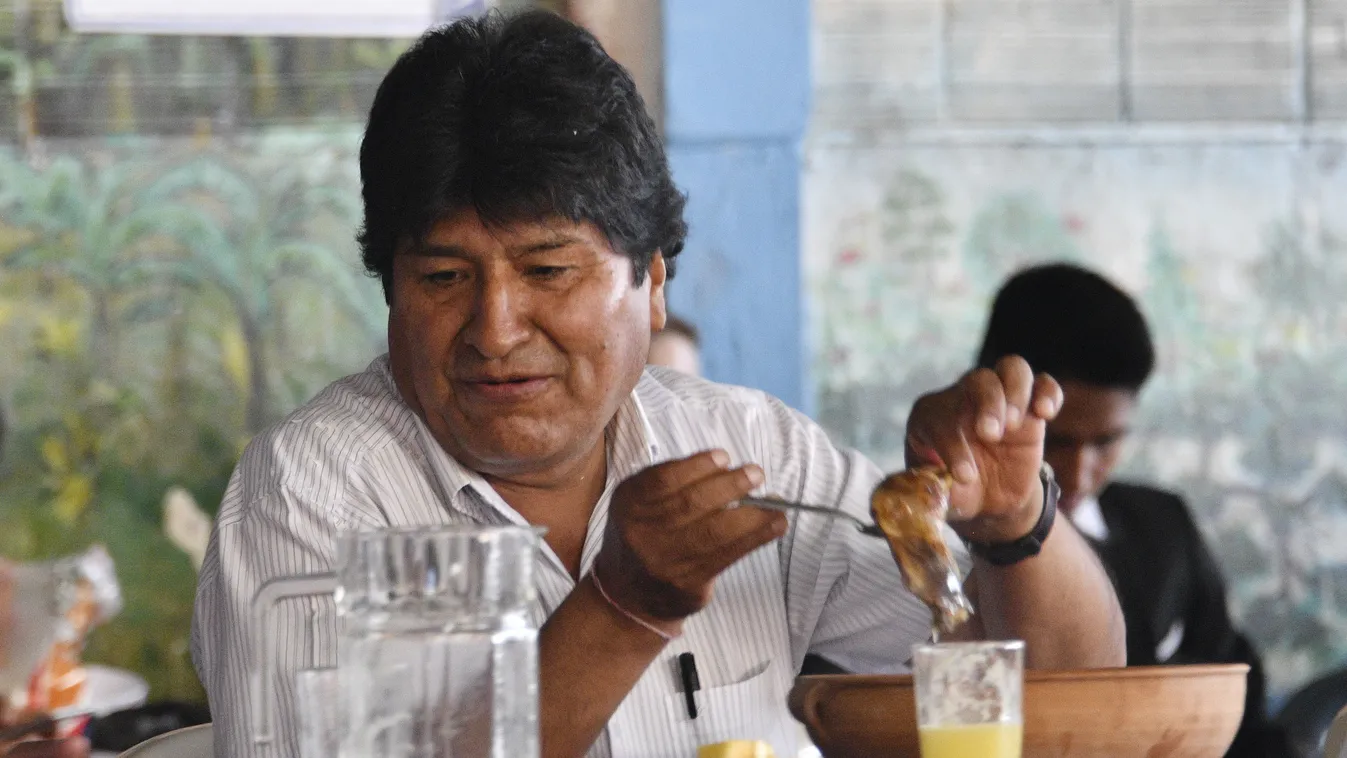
(499, 321)
(1076, 476)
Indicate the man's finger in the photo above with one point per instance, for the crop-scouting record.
(665, 479)
(1047, 397)
(771, 525)
(935, 432)
(706, 496)
(1017, 382)
(715, 492)
(986, 400)
(717, 532)
(920, 452)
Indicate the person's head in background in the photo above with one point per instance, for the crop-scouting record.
(1090, 336)
(677, 346)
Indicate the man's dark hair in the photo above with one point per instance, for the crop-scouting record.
(676, 325)
(1073, 324)
(517, 118)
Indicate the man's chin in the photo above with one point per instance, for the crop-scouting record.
(512, 449)
(1069, 503)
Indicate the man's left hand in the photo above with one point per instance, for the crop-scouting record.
(988, 431)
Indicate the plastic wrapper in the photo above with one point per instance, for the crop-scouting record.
(57, 604)
(910, 508)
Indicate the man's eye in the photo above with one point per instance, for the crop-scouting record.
(444, 277)
(1109, 440)
(547, 272)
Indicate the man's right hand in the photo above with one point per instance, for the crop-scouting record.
(670, 535)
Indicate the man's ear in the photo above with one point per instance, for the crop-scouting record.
(659, 310)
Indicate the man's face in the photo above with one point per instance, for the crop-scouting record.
(1085, 440)
(517, 344)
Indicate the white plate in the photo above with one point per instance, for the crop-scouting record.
(108, 690)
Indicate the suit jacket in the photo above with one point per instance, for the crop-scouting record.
(1173, 600)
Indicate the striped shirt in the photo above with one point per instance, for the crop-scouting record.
(356, 457)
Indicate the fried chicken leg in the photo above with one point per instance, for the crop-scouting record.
(910, 508)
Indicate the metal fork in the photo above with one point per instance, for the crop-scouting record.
(777, 504)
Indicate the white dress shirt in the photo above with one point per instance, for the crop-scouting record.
(1088, 518)
(356, 457)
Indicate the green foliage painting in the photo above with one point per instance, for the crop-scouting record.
(160, 302)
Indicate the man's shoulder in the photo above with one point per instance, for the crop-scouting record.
(340, 427)
(663, 389)
(671, 399)
(688, 414)
(1150, 505)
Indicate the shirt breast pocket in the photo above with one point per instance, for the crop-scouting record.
(753, 708)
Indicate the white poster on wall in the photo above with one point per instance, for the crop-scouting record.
(282, 18)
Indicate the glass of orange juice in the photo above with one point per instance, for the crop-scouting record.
(970, 699)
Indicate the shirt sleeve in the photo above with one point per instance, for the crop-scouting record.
(274, 536)
(845, 599)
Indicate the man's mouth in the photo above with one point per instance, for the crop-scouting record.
(508, 387)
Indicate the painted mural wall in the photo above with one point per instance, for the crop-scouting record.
(1238, 253)
(162, 300)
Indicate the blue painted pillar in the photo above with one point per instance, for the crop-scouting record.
(736, 89)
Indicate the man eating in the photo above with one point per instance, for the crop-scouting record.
(520, 213)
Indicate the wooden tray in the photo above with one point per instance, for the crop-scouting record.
(1142, 712)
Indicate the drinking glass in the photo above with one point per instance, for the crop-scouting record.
(970, 699)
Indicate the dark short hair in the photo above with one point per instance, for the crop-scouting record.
(518, 118)
(676, 325)
(1073, 324)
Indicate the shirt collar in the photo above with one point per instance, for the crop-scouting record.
(1088, 517)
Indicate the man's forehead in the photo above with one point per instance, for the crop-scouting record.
(1089, 411)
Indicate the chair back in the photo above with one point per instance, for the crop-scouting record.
(191, 742)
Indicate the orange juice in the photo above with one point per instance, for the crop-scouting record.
(972, 741)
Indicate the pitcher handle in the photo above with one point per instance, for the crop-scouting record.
(264, 660)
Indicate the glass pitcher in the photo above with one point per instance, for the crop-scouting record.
(437, 653)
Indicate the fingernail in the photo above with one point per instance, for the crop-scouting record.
(989, 427)
(780, 525)
(925, 453)
(721, 458)
(1012, 417)
(754, 474)
(965, 473)
(1046, 407)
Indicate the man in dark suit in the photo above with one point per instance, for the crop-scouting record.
(1090, 336)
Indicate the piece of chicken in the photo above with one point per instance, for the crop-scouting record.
(910, 509)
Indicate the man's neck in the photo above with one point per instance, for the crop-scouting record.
(563, 501)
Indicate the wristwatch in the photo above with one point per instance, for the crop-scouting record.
(1009, 553)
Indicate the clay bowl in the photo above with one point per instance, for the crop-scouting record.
(1144, 712)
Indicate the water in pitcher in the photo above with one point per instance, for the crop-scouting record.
(467, 693)
(437, 655)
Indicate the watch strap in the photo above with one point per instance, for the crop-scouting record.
(1010, 553)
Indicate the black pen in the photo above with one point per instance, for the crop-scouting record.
(687, 671)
